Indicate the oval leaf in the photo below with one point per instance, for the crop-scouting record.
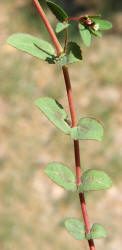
(61, 175)
(85, 34)
(59, 13)
(103, 24)
(87, 129)
(73, 54)
(97, 231)
(54, 112)
(33, 46)
(61, 26)
(95, 180)
(76, 228)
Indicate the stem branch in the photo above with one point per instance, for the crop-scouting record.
(73, 118)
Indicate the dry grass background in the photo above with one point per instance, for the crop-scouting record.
(31, 207)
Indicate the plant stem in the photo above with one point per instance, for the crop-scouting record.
(74, 123)
(73, 19)
(73, 118)
(48, 26)
(86, 219)
(69, 95)
(66, 39)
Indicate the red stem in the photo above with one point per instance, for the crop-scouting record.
(73, 118)
(73, 18)
(77, 162)
(74, 123)
(86, 220)
(48, 26)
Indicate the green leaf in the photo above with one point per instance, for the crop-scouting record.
(54, 112)
(82, 27)
(95, 180)
(61, 26)
(97, 231)
(57, 11)
(96, 33)
(76, 228)
(85, 34)
(73, 54)
(61, 175)
(87, 129)
(103, 24)
(33, 46)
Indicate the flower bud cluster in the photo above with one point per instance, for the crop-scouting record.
(86, 21)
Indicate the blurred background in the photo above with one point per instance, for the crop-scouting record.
(32, 208)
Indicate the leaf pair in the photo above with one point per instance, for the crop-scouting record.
(44, 50)
(77, 229)
(92, 180)
(87, 129)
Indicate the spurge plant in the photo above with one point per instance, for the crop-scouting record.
(86, 128)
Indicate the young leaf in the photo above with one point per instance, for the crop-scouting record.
(95, 180)
(96, 33)
(57, 11)
(34, 46)
(54, 112)
(61, 26)
(87, 129)
(97, 231)
(85, 34)
(76, 228)
(73, 54)
(103, 24)
(61, 175)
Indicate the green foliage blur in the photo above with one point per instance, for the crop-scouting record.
(76, 6)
